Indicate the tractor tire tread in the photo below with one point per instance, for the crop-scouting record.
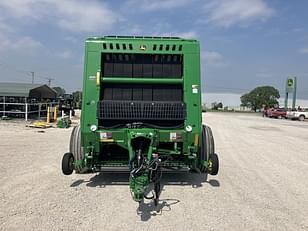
(75, 147)
(215, 164)
(66, 168)
(207, 146)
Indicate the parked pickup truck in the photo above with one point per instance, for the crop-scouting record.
(298, 115)
(276, 113)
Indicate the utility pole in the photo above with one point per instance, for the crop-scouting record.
(32, 72)
(49, 81)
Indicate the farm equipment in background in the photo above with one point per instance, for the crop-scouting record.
(141, 112)
(66, 104)
(64, 122)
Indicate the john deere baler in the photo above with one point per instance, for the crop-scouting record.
(141, 111)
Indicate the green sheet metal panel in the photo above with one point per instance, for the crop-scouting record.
(147, 45)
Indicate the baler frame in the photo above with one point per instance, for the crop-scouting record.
(141, 111)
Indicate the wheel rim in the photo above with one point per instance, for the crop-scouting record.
(210, 165)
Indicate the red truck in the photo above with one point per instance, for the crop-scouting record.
(278, 113)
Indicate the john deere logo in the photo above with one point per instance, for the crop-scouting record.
(143, 47)
(290, 82)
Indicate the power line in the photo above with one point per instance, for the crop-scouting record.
(49, 81)
(32, 72)
(47, 78)
(29, 73)
(10, 67)
(4, 65)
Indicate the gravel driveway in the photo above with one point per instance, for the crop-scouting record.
(262, 183)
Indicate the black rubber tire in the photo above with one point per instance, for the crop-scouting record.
(214, 161)
(76, 149)
(68, 163)
(207, 146)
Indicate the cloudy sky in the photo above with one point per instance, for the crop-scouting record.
(245, 43)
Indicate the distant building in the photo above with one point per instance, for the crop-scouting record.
(24, 100)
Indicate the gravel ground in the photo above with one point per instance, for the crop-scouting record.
(262, 183)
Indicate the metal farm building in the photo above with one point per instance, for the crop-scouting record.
(23, 100)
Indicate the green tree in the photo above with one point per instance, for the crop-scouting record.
(216, 106)
(265, 95)
(220, 105)
(60, 91)
(77, 99)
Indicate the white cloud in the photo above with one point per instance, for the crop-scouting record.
(213, 58)
(226, 13)
(303, 50)
(4, 27)
(65, 54)
(186, 35)
(10, 41)
(24, 44)
(19, 8)
(165, 29)
(150, 5)
(84, 16)
(76, 16)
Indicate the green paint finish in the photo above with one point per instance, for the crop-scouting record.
(190, 81)
(138, 185)
(291, 87)
(142, 45)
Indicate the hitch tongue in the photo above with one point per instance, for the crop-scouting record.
(145, 167)
(138, 185)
